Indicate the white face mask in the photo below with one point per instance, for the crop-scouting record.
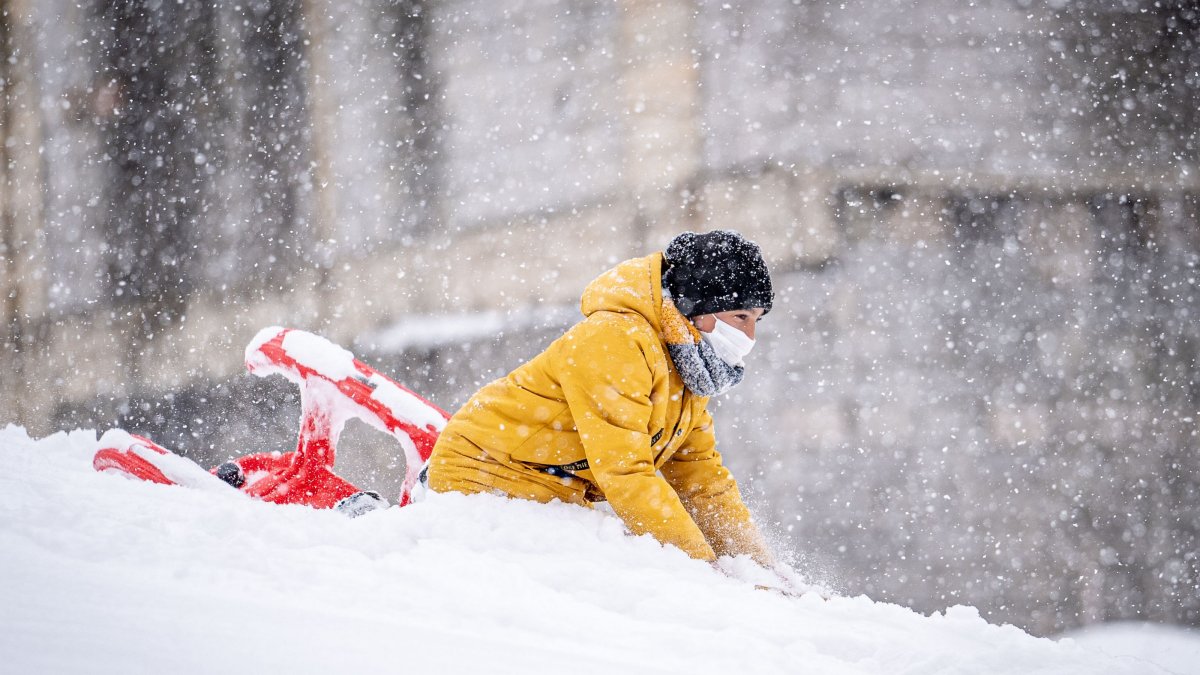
(731, 344)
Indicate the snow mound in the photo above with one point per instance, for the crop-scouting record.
(104, 574)
(1175, 648)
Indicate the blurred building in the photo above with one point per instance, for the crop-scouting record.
(979, 385)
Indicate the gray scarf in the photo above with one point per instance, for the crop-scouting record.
(703, 372)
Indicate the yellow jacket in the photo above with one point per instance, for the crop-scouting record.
(602, 414)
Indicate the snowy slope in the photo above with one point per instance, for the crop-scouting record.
(1173, 647)
(100, 574)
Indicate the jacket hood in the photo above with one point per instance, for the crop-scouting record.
(632, 287)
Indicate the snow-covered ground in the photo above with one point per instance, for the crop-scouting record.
(101, 574)
(1175, 648)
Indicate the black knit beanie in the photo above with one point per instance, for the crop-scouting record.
(714, 272)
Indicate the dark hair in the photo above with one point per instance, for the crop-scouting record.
(714, 272)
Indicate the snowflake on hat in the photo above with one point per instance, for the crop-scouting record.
(717, 271)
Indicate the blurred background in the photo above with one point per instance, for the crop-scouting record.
(979, 384)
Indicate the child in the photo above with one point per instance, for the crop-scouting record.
(617, 408)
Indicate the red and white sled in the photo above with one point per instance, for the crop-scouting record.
(334, 388)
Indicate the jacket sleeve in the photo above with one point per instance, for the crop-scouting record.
(606, 380)
(710, 494)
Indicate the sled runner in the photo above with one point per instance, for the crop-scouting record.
(334, 388)
(142, 458)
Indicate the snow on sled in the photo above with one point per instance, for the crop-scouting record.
(334, 388)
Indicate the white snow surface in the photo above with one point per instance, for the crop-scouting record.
(103, 574)
(1173, 647)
